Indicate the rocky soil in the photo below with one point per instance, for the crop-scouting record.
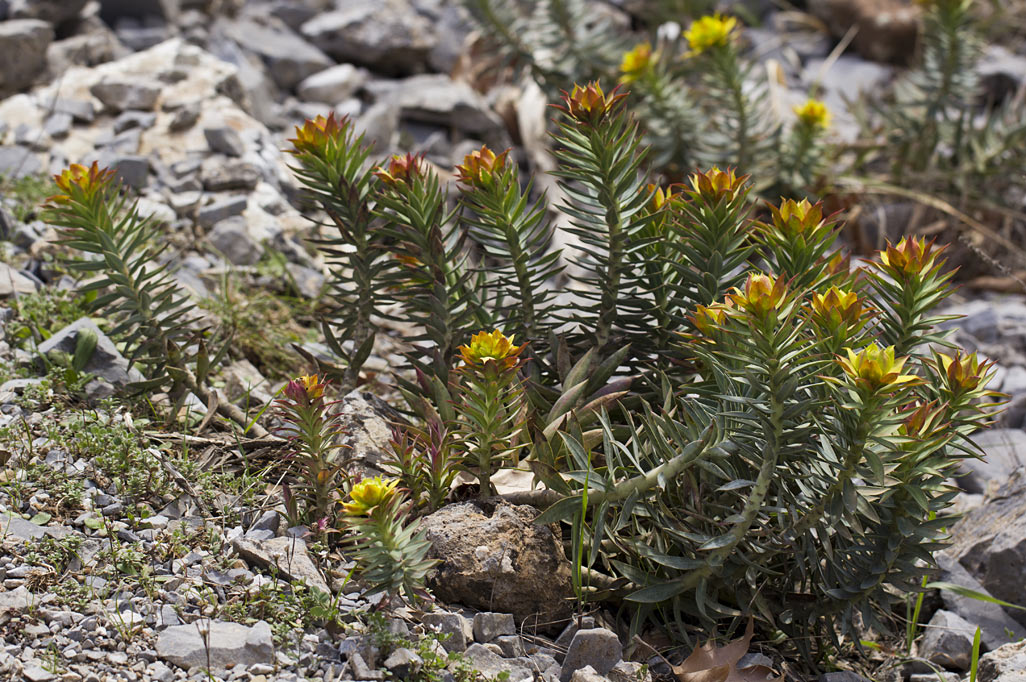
(134, 553)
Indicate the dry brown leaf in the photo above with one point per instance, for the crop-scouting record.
(709, 663)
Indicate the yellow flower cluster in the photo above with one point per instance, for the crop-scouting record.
(813, 114)
(761, 294)
(81, 180)
(710, 31)
(368, 494)
(636, 63)
(589, 103)
(875, 368)
(485, 347)
(480, 166)
(316, 135)
(912, 256)
(714, 184)
(401, 169)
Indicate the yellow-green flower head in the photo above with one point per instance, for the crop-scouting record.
(794, 219)
(369, 493)
(714, 184)
(480, 166)
(710, 31)
(589, 103)
(401, 169)
(316, 135)
(707, 318)
(761, 294)
(84, 182)
(813, 114)
(636, 63)
(912, 256)
(875, 368)
(488, 347)
(963, 372)
(837, 306)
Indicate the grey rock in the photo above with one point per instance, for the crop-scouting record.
(114, 11)
(511, 645)
(225, 141)
(286, 556)
(134, 119)
(948, 640)
(288, 57)
(362, 671)
(598, 647)
(221, 210)
(17, 527)
(132, 170)
(231, 175)
(332, 85)
(386, 35)
(567, 635)
(996, 627)
(379, 125)
(990, 541)
(139, 38)
(491, 665)
(58, 125)
(307, 281)
(630, 671)
(587, 674)
(1001, 71)
(1005, 664)
(35, 673)
(454, 625)
(229, 644)
(1014, 381)
(52, 11)
(125, 142)
(497, 558)
(184, 118)
(437, 99)
(1004, 451)
(106, 361)
(122, 95)
(17, 162)
(23, 44)
(489, 625)
(98, 46)
(933, 677)
(404, 663)
(231, 238)
(15, 282)
(269, 520)
(842, 676)
(81, 110)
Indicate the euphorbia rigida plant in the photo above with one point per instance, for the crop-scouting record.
(733, 420)
(320, 469)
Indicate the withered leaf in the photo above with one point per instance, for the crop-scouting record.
(709, 663)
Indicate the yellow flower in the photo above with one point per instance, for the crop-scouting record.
(795, 220)
(81, 180)
(874, 368)
(963, 372)
(813, 114)
(369, 493)
(589, 104)
(315, 135)
(707, 318)
(479, 166)
(659, 197)
(761, 294)
(710, 31)
(912, 256)
(401, 169)
(636, 63)
(838, 307)
(839, 264)
(305, 389)
(485, 347)
(714, 184)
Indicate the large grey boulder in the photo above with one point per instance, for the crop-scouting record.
(990, 542)
(288, 57)
(216, 644)
(596, 647)
(996, 627)
(106, 361)
(948, 641)
(438, 99)
(1004, 451)
(386, 35)
(493, 557)
(23, 44)
(53, 11)
(1007, 664)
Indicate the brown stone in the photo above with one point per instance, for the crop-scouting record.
(887, 29)
(494, 558)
